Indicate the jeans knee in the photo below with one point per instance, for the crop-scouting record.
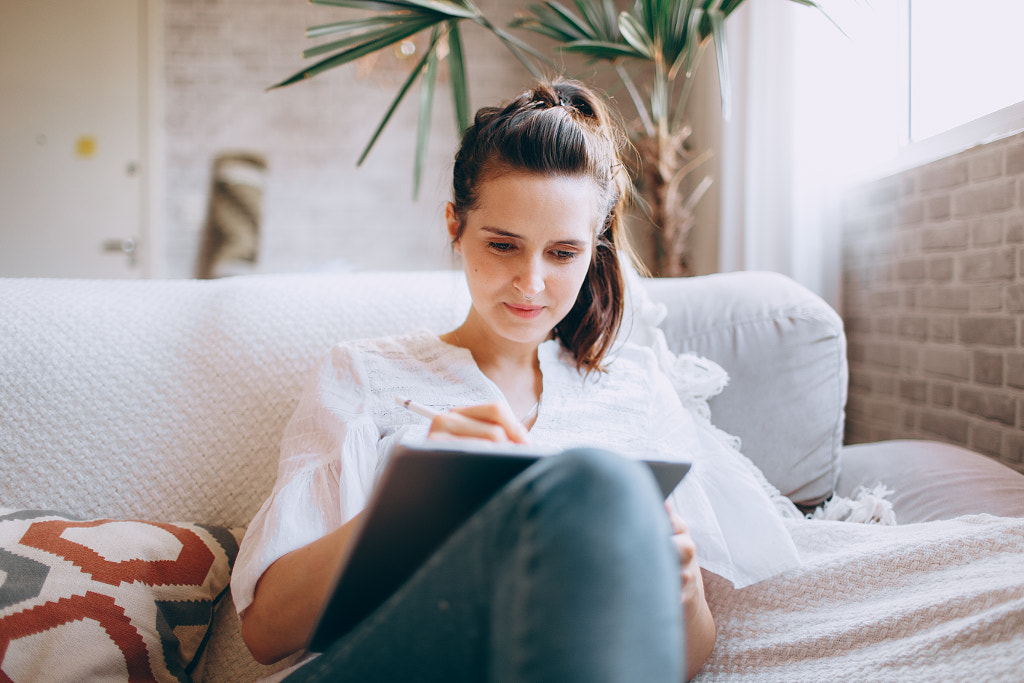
(602, 486)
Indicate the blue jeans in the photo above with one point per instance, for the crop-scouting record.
(566, 574)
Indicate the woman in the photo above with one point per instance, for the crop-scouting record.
(587, 585)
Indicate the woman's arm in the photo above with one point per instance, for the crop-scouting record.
(700, 624)
(290, 594)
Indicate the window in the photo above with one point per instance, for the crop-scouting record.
(964, 83)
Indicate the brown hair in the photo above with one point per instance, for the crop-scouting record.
(559, 128)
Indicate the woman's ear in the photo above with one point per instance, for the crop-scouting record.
(452, 220)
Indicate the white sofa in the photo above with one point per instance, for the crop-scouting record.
(164, 401)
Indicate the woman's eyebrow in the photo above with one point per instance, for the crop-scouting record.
(498, 232)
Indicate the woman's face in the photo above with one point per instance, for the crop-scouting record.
(526, 250)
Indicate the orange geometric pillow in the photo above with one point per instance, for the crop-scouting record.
(119, 599)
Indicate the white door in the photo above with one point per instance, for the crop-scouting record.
(72, 82)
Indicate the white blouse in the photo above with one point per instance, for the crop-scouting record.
(336, 445)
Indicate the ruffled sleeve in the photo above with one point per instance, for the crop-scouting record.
(328, 465)
(733, 519)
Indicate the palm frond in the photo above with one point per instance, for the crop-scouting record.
(366, 32)
(600, 50)
(597, 22)
(427, 86)
(354, 25)
(374, 5)
(519, 49)
(531, 24)
(457, 74)
(718, 36)
(578, 26)
(687, 56)
(684, 95)
(372, 43)
(602, 18)
(547, 21)
(446, 7)
(634, 33)
(413, 75)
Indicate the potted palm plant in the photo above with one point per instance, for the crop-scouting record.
(653, 49)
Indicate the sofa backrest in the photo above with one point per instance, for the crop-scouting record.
(166, 400)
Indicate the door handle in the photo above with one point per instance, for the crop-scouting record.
(125, 245)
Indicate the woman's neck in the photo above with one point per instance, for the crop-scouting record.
(513, 367)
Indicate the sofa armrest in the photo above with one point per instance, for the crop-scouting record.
(785, 351)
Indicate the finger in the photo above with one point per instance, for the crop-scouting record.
(686, 549)
(678, 525)
(496, 414)
(691, 586)
(455, 425)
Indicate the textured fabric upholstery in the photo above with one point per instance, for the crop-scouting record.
(166, 400)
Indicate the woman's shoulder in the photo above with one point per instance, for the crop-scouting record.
(418, 344)
(631, 357)
(416, 353)
(624, 357)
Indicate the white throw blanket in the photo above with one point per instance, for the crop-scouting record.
(920, 602)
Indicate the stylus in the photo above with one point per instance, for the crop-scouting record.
(417, 408)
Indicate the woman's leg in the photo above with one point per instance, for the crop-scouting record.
(566, 574)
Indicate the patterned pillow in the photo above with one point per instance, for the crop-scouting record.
(107, 599)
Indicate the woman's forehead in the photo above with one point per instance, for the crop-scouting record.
(519, 201)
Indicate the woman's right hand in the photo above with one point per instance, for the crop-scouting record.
(488, 421)
(290, 595)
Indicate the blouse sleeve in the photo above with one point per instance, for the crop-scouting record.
(737, 527)
(327, 467)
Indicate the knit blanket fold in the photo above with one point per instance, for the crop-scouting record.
(920, 602)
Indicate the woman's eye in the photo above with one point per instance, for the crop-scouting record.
(500, 246)
(563, 255)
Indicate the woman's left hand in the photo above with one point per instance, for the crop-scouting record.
(693, 582)
(700, 624)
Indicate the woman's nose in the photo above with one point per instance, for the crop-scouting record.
(530, 281)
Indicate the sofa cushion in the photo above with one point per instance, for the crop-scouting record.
(785, 352)
(105, 599)
(932, 480)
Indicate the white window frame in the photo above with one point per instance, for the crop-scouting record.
(989, 128)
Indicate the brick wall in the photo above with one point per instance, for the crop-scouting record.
(320, 211)
(933, 297)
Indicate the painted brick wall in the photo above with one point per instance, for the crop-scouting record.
(320, 211)
(933, 302)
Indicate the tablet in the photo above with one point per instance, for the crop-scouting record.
(423, 496)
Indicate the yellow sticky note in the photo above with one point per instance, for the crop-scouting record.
(85, 147)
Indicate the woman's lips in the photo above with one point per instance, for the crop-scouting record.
(523, 311)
